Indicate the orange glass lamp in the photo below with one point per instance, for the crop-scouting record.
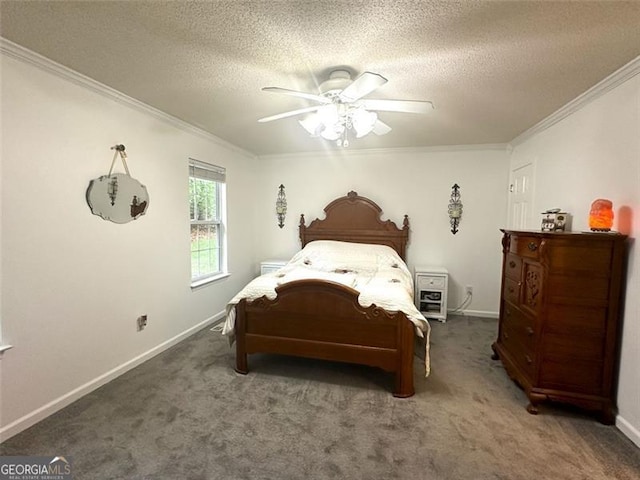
(601, 215)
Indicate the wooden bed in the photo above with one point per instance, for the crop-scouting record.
(322, 319)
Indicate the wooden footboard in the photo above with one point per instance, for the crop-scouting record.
(322, 319)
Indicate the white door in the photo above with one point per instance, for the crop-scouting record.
(520, 196)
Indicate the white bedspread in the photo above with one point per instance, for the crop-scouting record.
(376, 271)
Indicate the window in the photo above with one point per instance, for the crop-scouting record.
(207, 214)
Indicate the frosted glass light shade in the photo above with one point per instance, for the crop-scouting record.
(332, 132)
(329, 114)
(331, 122)
(363, 122)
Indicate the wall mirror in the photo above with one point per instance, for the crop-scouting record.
(117, 197)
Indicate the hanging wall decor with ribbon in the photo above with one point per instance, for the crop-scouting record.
(117, 197)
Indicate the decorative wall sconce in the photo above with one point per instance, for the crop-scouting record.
(281, 206)
(455, 208)
(601, 215)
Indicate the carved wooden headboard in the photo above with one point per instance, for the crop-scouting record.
(356, 219)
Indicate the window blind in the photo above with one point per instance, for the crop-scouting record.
(207, 171)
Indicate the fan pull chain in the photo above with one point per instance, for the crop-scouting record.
(344, 141)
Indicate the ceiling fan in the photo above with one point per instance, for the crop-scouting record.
(342, 107)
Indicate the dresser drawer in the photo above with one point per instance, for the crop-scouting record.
(525, 246)
(519, 338)
(511, 291)
(425, 281)
(523, 358)
(513, 267)
(519, 326)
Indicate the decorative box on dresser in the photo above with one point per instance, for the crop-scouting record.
(559, 312)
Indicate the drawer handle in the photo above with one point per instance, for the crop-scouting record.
(528, 358)
(533, 246)
(506, 335)
(512, 264)
(529, 331)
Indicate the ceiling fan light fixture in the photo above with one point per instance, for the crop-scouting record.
(343, 108)
(329, 114)
(363, 121)
(332, 132)
(332, 121)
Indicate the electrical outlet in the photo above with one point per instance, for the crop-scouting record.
(142, 322)
(468, 290)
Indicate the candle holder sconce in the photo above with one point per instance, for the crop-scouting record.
(281, 206)
(455, 208)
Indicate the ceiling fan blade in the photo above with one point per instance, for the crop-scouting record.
(289, 114)
(381, 128)
(361, 86)
(294, 93)
(407, 106)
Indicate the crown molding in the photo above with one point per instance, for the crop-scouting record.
(617, 78)
(30, 57)
(349, 152)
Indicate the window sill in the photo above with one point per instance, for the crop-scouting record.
(206, 281)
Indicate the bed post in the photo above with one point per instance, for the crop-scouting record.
(301, 230)
(240, 331)
(405, 239)
(404, 375)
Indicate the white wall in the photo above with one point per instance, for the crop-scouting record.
(595, 153)
(413, 182)
(74, 284)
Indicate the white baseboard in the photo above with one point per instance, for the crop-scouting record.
(628, 430)
(52, 407)
(475, 313)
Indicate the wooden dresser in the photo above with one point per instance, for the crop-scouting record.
(559, 312)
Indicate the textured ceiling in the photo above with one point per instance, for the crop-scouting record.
(492, 69)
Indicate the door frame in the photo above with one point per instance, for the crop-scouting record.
(516, 165)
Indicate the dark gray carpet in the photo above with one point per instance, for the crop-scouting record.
(187, 415)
